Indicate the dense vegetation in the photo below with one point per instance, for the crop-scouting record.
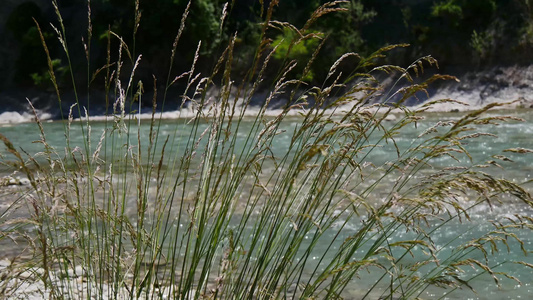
(462, 33)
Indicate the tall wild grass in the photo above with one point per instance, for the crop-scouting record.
(243, 202)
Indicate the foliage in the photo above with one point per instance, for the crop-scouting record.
(43, 78)
(345, 30)
(473, 13)
(449, 10)
(481, 43)
(292, 46)
(526, 11)
(365, 27)
(20, 23)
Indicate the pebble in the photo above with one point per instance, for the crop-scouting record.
(76, 272)
(4, 263)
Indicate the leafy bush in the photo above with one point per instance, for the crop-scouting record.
(448, 9)
(21, 25)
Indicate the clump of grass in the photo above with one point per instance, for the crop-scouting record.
(233, 205)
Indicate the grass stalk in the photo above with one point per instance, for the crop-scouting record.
(229, 204)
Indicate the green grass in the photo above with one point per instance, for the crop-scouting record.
(218, 209)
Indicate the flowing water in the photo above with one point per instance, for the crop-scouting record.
(507, 135)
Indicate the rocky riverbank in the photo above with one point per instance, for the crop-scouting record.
(475, 89)
(499, 84)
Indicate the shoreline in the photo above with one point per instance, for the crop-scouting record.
(473, 88)
(12, 118)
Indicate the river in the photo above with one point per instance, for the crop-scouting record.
(512, 134)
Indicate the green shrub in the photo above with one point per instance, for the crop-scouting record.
(31, 58)
(448, 9)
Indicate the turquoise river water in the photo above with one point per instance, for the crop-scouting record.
(508, 135)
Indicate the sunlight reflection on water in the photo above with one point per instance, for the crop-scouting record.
(508, 135)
